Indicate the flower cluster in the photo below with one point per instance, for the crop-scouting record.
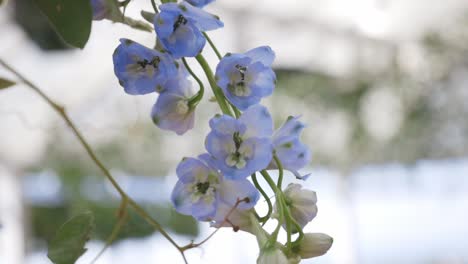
(220, 186)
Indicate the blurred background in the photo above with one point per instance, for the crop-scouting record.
(382, 85)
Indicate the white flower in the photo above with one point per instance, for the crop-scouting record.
(302, 203)
(314, 245)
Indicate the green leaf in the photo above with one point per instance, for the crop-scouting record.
(70, 18)
(68, 244)
(4, 83)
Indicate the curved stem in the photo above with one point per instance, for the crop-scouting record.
(155, 8)
(216, 90)
(62, 113)
(196, 98)
(213, 46)
(265, 196)
(280, 171)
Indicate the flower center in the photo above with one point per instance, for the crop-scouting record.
(239, 86)
(181, 20)
(202, 187)
(182, 107)
(237, 158)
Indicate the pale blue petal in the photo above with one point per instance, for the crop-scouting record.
(200, 18)
(203, 211)
(181, 199)
(258, 122)
(263, 54)
(226, 125)
(230, 191)
(188, 168)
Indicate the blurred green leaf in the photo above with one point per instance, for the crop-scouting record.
(4, 83)
(68, 244)
(70, 18)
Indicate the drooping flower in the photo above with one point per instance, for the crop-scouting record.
(302, 204)
(201, 189)
(313, 245)
(141, 70)
(200, 3)
(172, 110)
(292, 153)
(246, 78)
(180, 26)
(241, 146)
(100, 9)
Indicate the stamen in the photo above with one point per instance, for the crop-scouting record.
(181, 20)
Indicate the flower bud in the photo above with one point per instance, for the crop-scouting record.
(272, 255)
(314, 245)
(301, 203)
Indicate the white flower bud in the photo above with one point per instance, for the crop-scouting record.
(302, 204)
(272, 255)
(314, 245)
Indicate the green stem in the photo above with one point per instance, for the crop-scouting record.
(216, 90)
(280, 171)
(196, 98)
(63, 114)
(265, 196)
(270, 181)
(213, 46)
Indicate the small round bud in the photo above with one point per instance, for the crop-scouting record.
(313, 245)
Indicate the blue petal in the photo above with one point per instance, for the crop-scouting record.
(219, 146)
(293, 154)
(99, 9)
(200, 3)
(186, 41)
(263, 79)
(226, 125)
(189, 168)
(258, 122)
(291, 129)
(164, 22)
(203, 211)
(200, 18)
(263, 54)
(230, 191)
(181, 199)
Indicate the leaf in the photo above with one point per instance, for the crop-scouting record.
(68, 244)
(4, 83)
(70, 18)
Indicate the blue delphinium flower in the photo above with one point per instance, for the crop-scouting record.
(179, 28)
(141, 70)
(100, 9)
(246, 78)
(201, 188)
(200, 3)
(172, 110)
(241, 146)
(292, 153)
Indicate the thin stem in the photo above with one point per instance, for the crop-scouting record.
(216, 90)
(225, 220)
(270, 181)
(280, 171)
(196, 98)
(62, 113)
(155, 8)
(265, 196)
(116, 230)
(213, 46)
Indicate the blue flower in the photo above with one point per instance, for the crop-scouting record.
(201, 188)
(100, 9)
(200, 3)
(292, 153)
(141, 70)
(180, 26)
(241, 146)
(246, 78)
(172, 110)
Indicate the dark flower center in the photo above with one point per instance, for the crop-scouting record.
(154, 62)
(181, 20)
(202, 187)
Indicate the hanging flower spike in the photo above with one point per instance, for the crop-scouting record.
(141, 70)
(200, 3)
(302, 203)
(241, 146)
(201, 188)
(180, 26)
(100, 9)
(172, 110)
(246, 78)
(292, 153)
